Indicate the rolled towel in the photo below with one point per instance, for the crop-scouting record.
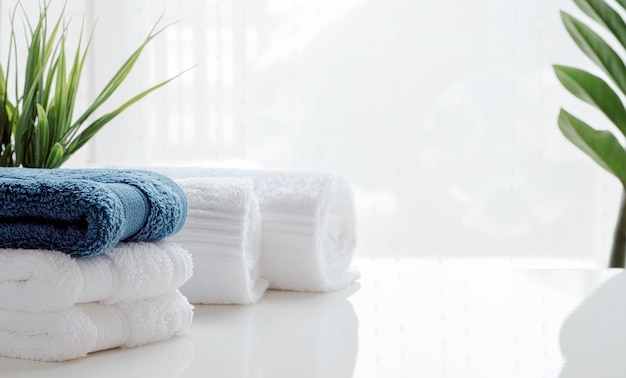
(223, 234)
(84, 212)
(44, 281)
(308, 225)
(85, 328)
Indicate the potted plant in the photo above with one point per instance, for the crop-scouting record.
(38, 127)
(601, 145)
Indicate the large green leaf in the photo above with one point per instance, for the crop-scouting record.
(601, 145)
(597, 50)
(605, 15)
(595, 91)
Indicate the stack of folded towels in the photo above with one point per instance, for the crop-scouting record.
(83, 266)
(249, 230)
(92, 259)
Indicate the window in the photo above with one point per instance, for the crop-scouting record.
(442, 114)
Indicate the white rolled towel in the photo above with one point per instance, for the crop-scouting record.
(85, 328)
(44, 281)
(223, 235)
(308, 225)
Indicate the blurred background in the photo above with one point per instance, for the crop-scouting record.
(442, 114)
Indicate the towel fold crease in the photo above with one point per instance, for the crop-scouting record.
(85, 328)
(308, 224)
(84, 212)
(43, 281)
(222, 233)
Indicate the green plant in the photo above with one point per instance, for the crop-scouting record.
(601, 145)
(38, 127)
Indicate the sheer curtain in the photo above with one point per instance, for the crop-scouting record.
(442, 114)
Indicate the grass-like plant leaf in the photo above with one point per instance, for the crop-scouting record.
(38, 128)
(600, 145)
(42, 132)
(55, 157)
(595, 91)
(5, 125)
(117, 79)
(94, 127)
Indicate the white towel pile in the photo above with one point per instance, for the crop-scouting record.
(54, 307)
(248, 230)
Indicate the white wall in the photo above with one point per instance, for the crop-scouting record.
(443, 114)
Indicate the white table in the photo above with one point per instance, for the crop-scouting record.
(403, 319)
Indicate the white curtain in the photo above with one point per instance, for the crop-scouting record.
(442, 114)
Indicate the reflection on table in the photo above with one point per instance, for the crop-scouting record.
(404, 318)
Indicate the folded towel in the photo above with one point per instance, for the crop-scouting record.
(223, 234)
(308, 225)
(84, 212)
(44, 281)
(90, 327)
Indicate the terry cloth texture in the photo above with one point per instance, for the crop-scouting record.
(90, 327)
(308, 225)
(223, 234)
(43, 281)
(84, 212)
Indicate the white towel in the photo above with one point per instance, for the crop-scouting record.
(308, 225)
(44, 281)
(222, 233)
(74, 332)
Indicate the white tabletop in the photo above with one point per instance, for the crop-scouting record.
(403, 319)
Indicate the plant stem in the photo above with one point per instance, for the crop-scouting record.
(618, 252)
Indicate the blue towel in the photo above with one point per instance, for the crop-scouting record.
(84, 212)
